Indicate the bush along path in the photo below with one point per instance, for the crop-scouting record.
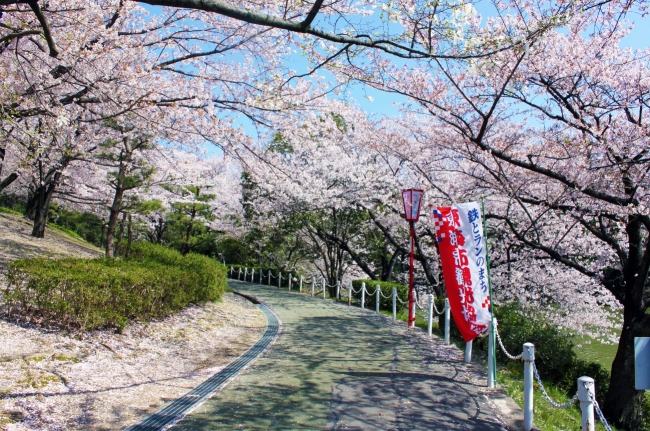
(337, 367)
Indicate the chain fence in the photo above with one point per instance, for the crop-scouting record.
(364, 292)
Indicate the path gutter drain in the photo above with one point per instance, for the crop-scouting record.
(173, 412)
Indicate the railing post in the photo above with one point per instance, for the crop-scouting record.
(586, 395)
(231, 271)
(269, 283)
(468, 352)
(394, 303)
(300, 284)
(529, 358)
(412, 304)
(290, 281)
(239, 275)
(430, 322)
(447, 321)
(491, 363)
(280, 279)
(338, 290)
(313, 284)
(261, 275)
(350, 294)
(378, 298)
(363, 294)
(323, 287)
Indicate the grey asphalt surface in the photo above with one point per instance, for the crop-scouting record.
(336, 367)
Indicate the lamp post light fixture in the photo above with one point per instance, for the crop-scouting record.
(412, 199)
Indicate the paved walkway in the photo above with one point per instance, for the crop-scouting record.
(336, 367)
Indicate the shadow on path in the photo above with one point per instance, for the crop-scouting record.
(336, 367)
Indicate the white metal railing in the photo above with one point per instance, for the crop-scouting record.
(585, 394)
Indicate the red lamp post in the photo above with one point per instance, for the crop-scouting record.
(412, 199)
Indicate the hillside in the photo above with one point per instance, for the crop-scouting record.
(16, 242)
(99, 380)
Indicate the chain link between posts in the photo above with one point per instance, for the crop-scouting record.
(598, 411)
(547, 396)
(503, 348)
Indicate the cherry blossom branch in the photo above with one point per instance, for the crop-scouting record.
(33, 4)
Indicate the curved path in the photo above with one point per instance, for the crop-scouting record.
(336, 367)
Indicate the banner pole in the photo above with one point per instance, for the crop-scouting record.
(491, 335)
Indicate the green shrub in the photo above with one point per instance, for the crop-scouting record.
(594, 370)
(387, 289)
(87, 294)
(554, 355)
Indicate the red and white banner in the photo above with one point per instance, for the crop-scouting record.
(461, 243)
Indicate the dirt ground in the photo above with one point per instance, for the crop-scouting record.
(100, 380)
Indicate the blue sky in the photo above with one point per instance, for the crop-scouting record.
(377, 103)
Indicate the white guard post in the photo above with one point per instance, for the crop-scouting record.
(468, 352)
(279, 280)
(269, 283)
(394, 303)
(447, 321)
(350, 294)
(239, 275)
(586, 395)
(430, 322)
(529, 358)
(261, 275)
(290, 281)
(338, 290)
(413, 306)
(363, 295)
(313, 285)
(300, 284)
(323, 287)
(491, 370)
(378, 298)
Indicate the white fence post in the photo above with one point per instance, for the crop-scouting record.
(290, 281)
(430, 322)
(491, 364)
(338, 290)
(261, 275)
(447, 321)
(363, 295)
(394, 303)
(378, 296)
(280, 279)
(468, 352)
(313, 284)
(323, 287)
(300, 284)
(529, 358)
(239, 275)
(350, 294)
(269, 283)
(586, 395)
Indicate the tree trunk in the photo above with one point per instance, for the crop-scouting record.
(120, 235)
(7, 181)
(116, 209)
(41, 207)
(623, 402)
